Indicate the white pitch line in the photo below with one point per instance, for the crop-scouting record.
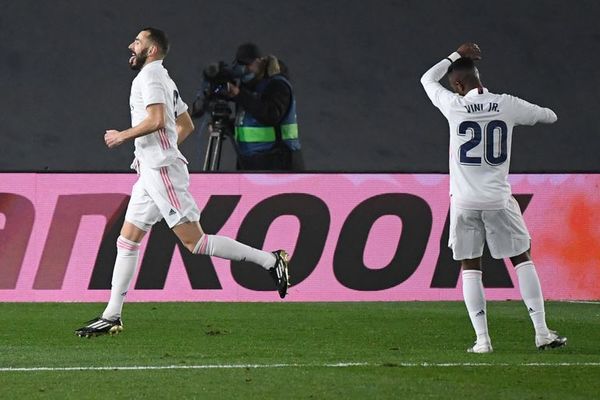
(161, 367)
(583, 302)
(558, 364)
(330, 365)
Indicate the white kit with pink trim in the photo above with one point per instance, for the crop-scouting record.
(161, 193)
(162, 188)
(153, 85)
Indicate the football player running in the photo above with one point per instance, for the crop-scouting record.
(160, 121)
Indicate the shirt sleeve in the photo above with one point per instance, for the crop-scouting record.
(439, 95)
(153, 91)
(526, 113)
(180, 106)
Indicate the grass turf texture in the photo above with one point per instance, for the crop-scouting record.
(393, 338)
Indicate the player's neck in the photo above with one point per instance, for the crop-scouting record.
(150, 60)
(474, 85)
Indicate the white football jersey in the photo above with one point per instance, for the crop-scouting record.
(481, 125)
(153, 85)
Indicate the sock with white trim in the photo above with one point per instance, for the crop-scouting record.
(531, 292)
(224, 247)
(475, 302)
(127, 257)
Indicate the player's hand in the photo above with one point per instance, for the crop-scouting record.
(469, 50)
(113, 138)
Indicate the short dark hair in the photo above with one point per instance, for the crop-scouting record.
(246, 53)
(159, 38)
(462, 65)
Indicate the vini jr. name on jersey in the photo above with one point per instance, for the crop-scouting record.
(471, 108)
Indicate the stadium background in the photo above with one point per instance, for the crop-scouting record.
(355, 68)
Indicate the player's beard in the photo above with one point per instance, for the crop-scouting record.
(137, 62)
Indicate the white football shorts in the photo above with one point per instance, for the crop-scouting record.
(504, 230)
(162, 193)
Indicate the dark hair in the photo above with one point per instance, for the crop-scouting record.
(462, 65)
(159, 38)
(246, 53)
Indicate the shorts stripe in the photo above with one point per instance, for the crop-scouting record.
(169, 186)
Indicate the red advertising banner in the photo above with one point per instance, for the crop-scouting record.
(352, 237)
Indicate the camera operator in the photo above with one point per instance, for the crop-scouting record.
(266, 130)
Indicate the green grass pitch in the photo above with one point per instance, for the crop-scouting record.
(412, 350)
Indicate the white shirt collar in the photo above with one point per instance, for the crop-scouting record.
(154, 63)
(475, 92)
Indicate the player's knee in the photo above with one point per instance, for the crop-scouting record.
(472, 264)
(521, 258)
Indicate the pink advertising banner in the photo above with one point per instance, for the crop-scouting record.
(352, 237)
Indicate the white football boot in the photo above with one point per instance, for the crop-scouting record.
(551, 340)
(482, 347)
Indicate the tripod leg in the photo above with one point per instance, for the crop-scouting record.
(216, 157)
(208, 156)
(216, 135)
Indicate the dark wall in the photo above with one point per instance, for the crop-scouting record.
(355, 66)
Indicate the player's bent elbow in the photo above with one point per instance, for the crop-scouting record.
(158, 123)
(185, 129)
(549, 117)
(428, 83)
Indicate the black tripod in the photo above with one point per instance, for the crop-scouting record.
(219, 127)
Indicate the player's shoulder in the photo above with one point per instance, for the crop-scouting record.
(507, 97)
(517, 103)
(451, 98)
(504, 99)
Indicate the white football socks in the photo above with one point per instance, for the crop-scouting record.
(224, 247)
(127, 257)
(531, 292)
(475, 302)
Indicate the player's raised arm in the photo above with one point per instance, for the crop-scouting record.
(438, 94)
(430, 80)
(154, 121)
(530, 114)
(184, 126)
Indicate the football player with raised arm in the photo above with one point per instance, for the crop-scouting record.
(160, 121)
(482, 208)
